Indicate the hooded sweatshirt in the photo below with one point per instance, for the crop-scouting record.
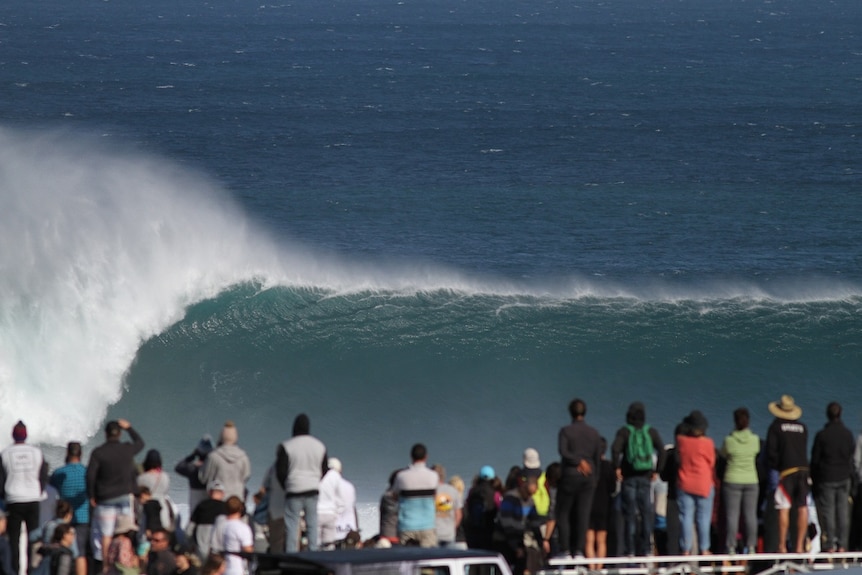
(301, 461)
(740, 449)
(832, 454)
(228, 464)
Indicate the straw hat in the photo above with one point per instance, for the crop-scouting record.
(125, 524)
(785, 408)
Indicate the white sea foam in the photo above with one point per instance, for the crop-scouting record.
(102, 249)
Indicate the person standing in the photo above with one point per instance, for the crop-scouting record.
(300, 463)
(70, 481)
(328, 503)
(233, 535)
(416, 488)
(25, 475)
(600, 513)
(274, 492)
(787, 454)
(389, 512)
(831, 472)
(190, 467)
(348, 518)
(856, 520)
(111, 482)
(695, 483)
(480, 510)
(580, 448)
(741, 485)
(5, 547)
(204, 517)
(518, 529)
(449, 509)
(158, 482)
(633, 451)
(228, 464)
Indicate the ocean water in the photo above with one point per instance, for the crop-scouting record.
(424, 221)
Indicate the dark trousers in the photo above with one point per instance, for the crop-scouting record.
(674, 529)
(637, 509)
(856, 521)
(574, 503)
(18, 513)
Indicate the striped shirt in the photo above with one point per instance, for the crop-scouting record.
(416, 488)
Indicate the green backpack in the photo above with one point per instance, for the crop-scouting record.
(640, 448)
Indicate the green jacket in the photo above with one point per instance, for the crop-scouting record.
(740, 449)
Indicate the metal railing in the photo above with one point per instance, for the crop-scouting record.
(760, 563)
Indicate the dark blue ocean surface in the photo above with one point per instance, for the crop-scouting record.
(426, 221)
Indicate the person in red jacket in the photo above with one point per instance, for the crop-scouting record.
(695, 482)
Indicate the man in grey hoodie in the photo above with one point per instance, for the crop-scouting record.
(228, 464)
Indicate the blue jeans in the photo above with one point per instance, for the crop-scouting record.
(833, 511)
(694, 509)
(637, 509)
(294, 505)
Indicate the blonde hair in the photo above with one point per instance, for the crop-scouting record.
(458, 483)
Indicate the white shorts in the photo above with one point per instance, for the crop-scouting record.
(104, 521)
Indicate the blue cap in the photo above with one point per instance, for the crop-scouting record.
(487, 472)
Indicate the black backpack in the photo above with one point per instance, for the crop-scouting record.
(480, 508)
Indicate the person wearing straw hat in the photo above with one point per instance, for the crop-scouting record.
(120, 557)
(787, 455)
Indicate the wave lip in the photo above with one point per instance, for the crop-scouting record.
(105, 248)
(102, 250)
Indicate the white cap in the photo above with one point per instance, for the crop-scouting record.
(531, 459)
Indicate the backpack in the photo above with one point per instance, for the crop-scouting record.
(480, 514)
(480, 506)
(44, 567)
(51, 559)
(639, 449)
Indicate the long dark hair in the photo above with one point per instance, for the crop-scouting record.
(741, 418)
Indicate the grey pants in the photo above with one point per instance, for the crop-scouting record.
(833, 511)
(740, 496)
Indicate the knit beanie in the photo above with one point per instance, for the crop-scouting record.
(229, 435)
(301, 425)
(19, 432)
(205, 445)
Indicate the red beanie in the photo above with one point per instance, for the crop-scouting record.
(19, 432)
